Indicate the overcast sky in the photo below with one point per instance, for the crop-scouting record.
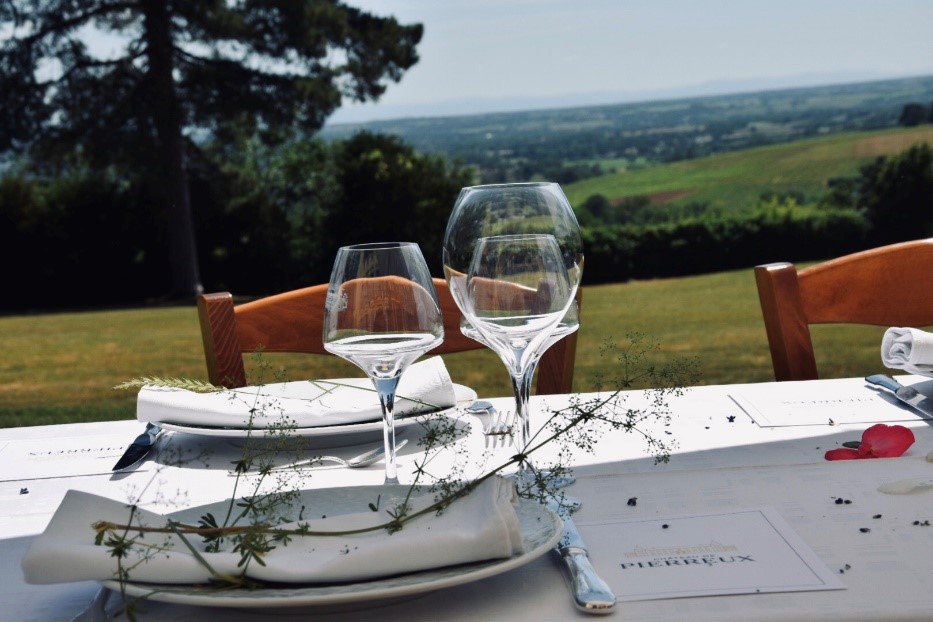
(485, 55)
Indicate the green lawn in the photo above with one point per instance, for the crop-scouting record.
(62, 367)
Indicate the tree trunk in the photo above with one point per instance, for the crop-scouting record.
(167, 118)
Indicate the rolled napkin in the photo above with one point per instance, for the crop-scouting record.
(910, 349)
(482, 525)
(424, 387)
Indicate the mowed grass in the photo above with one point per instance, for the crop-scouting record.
(735, 181)
(61, 368)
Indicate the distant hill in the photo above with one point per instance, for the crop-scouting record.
(570, 144)
(735, 181)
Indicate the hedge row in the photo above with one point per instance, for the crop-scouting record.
(620, 253)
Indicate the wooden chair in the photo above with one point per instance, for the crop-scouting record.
(886, 286)
(293, 322)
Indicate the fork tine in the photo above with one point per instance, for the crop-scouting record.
(508, 429)
(493, 429)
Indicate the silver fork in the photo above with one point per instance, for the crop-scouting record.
(500, 429)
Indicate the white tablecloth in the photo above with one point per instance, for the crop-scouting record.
(723, 460)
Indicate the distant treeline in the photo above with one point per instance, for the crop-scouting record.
(567, 145)
(87, 241)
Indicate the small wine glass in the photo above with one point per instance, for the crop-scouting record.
(381, 314)
(516, 292)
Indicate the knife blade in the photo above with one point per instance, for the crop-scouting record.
(590, 593)
(906, 394)
(139, 448)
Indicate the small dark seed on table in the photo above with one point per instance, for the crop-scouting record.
(864, 529)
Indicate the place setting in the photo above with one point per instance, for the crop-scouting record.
(312, 547)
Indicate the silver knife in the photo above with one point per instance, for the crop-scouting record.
(590, 593)
(908, 395)
(139, 448)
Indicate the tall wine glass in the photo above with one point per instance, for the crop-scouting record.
(516, 292)
(508, 209)
(381, 314)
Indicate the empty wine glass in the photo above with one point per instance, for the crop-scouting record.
(508, 209)
(516, 292)
(381, 314)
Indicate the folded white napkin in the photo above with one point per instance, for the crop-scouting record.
(910, 349)
(480, 526)
(424, 387)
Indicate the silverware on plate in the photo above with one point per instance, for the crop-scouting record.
(139, 448)
(365, 459)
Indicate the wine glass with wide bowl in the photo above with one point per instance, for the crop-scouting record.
(381, 314)
(511, 209)
(517, 291)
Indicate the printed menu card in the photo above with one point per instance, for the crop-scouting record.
(735, 552)
(823, 402)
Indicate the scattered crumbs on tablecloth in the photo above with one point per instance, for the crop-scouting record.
(924, 523)
(844, 568)
(841, 501)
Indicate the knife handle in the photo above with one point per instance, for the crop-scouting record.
(590, 593)
(885, 381)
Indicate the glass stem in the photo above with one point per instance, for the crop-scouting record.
(521, 386)
(386, 387)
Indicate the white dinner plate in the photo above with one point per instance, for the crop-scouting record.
(350, 433)
(541, 529)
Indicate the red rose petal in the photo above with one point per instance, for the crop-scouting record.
(885, 441)
(842, 453)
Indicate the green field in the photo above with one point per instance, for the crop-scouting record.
(735, 181)
(62, 367)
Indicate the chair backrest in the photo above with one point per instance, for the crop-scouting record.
(886, 286)
(293, 322)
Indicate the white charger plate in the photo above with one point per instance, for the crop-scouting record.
(541, 529)
(335, 434)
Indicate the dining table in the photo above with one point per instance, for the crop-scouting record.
(746, 459)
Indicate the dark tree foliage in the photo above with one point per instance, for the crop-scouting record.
(392, 192)
(914, 114)
(181, 69)
(895, 194)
